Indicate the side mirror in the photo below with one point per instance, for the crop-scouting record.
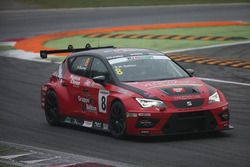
(100, 79)
(190, 71)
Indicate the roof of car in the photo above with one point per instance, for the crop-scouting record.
(111, 53)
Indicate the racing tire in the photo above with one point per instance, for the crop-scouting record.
(117, 120)
(51, 109)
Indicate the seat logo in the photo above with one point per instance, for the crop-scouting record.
(189, 103)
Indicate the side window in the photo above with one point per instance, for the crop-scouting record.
(98, 68)
(79, 65)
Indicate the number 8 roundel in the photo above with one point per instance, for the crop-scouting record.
(102, 100)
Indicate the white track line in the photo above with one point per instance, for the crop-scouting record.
(64, 165)
(63, 156)
(223, 81)
(207, 47)
(14, 156)
(7, 43)
(39, 160)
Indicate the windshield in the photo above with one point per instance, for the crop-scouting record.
(146, 68)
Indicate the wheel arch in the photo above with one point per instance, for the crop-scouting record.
(117, 99)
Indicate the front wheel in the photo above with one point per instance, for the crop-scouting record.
(117, 120)
(51, 109)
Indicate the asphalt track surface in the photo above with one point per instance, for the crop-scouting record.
(21, 119)
(19, 24)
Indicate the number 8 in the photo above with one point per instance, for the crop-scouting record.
(103, 103)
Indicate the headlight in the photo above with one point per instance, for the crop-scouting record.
(145, 103)
(214, 98)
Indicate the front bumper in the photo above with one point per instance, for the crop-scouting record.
(172, 123)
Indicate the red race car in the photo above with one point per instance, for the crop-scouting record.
(129, 91)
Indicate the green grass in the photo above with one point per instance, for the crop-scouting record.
(160, 45)
(106, 3)
(5, 150)
(6, 165)
(5, 48)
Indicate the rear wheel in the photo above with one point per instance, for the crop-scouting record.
(51, 109)
(117, 120)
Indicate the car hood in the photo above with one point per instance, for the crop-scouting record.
(176, 89)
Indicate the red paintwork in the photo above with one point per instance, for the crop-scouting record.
(69, 105)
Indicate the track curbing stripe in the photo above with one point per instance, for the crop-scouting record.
(35, 44)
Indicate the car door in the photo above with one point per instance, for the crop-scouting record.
(75, 80)
(97, 93)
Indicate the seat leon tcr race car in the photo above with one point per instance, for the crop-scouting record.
(129, 91)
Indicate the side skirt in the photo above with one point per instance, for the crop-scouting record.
(85, 123)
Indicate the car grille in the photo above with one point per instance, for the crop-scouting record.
(190, 122)
(188, 103)
(188, 90)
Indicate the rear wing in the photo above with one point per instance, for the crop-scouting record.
(70, 49)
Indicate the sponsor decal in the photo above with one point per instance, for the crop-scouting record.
(79, 67)
(87, 103)
(105, 126)
(115, 57)
(87, 124)
(123, 91)
(100, 125)
(134, 54)
(127, 65)
(83, 99)
(89, 83)
(102, 100)
(90, 108)
(97, 125)
(67, 120)
(170, 83)
(118, 60)
(190, 109)
(187, 97)
(178, 90)
(75, 80)
(132, 58)
(144, 114)
(131, 115)
(72, 121)
(118, 71)
(174, 84)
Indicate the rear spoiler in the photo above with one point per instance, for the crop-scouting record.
(70, 49)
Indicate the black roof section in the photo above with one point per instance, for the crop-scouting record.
(108, 52)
